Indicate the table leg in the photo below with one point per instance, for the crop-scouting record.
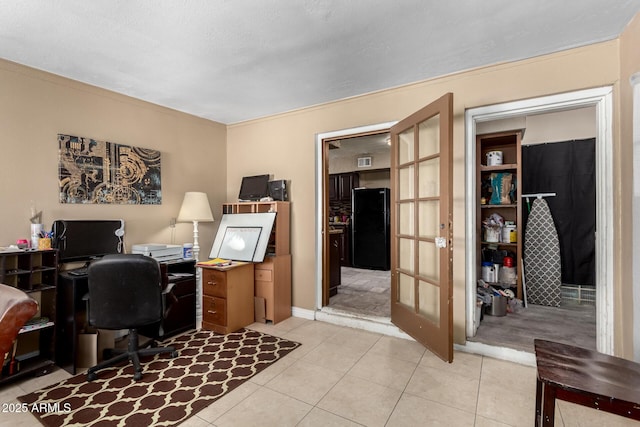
(538, 402)
(548, 405)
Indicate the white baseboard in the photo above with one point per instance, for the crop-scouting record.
(503, 353)
(303, 313)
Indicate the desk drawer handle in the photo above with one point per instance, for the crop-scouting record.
(212, 311)
(209, 282)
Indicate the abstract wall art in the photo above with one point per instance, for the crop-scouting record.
(101, 172)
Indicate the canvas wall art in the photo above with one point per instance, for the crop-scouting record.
(101, 172)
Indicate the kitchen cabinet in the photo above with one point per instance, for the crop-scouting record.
(333, 187)
(345, 242)
(340, 185)
(335, 248)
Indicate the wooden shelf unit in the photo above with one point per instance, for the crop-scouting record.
(36, 273)
(273, 276)
(509, 143)
(279, 242)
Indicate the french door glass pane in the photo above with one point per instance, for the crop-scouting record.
(405, 184)
(429, 137)
(428, 218)
(406, 219)
(429, 178)
(429, 261)
(405, 147)
(429, 300)
(405, 254)
(406, 294)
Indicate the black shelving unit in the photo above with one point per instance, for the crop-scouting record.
(36, 273)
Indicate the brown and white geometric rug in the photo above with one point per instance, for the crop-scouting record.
(170, 391)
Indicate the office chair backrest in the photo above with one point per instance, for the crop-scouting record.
(125, 291)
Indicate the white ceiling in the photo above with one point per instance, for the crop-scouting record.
(235, 60)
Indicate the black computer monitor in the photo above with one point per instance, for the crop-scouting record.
(84, 240)
(254, 188)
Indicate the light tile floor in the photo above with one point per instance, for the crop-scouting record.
(348, 377)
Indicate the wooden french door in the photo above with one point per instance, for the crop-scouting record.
(421, 226)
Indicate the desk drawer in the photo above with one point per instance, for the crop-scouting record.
(214, 283)
(267, 264)
(214, 310)
(264, 275)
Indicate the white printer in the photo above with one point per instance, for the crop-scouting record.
(158, 251)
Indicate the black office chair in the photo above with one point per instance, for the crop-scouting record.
(125, 292)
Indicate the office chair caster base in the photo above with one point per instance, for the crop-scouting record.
(174, 354)
(137, 376)
(91, 376)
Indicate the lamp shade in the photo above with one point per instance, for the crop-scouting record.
(195, 207)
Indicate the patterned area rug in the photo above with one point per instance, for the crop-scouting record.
(170, 391)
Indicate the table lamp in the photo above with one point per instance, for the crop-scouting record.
(195, 208)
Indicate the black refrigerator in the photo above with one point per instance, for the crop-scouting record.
(370, 240)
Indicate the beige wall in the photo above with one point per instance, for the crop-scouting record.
(285, 144)
(547, 127)
(623, 167)
(349, 163)
(36, 106)
(375, 179)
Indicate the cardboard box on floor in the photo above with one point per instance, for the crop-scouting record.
(259, 309)
(91, 344)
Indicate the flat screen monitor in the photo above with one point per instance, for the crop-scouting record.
(254, 188)
(84, 240)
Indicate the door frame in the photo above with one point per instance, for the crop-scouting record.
(322, 197)
(602, 99)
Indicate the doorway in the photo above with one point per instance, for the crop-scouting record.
(600, 101)
(359, 284)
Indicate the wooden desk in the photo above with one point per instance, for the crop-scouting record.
(585, 377)
(227, 297)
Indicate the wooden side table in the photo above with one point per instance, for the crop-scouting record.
(585, 377)
(227, 297)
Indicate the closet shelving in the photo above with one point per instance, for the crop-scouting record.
(509, 143)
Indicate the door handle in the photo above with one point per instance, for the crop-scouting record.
(441, 242)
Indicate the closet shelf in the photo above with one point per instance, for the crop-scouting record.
(488, 206)
(498, 168)
(513, 245)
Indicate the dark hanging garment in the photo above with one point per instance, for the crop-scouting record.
(567, 169)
